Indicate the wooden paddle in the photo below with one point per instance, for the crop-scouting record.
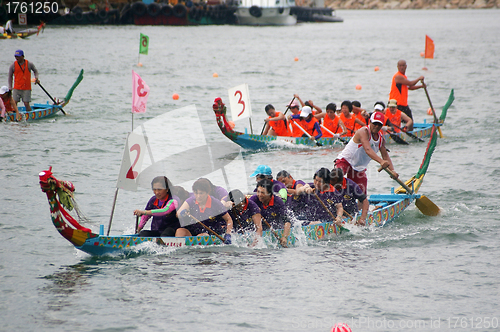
(48, 94)
(274, 233)
(136, 224)
(397, 139)
(287, 108)
(407, 133)
(325, 207)
(306, 133)
(432, 108)
(331, 133)
(425, 205)
(206, 227)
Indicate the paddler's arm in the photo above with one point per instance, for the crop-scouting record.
(340, 212)
(286, 234)
(318, 130)
(364, 212)
(229, 223)
(257, 220)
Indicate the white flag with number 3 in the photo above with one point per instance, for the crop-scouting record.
(239, 102)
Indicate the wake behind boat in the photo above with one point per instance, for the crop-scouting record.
(252, 141)
(387, 207)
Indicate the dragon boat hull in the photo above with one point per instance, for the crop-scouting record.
(263, 142)
(389, 207)
(38, 111)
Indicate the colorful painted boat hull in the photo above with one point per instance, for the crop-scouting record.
(390, 207)
(39, 111)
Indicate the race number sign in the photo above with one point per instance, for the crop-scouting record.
(133, 154)
(239, 101)
(22, 19)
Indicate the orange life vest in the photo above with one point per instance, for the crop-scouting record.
(349, 124)
(332, 125)
(362, 118)
(6, 102)
(22, 76)
(394, 118)
(399, 91)
(279, 126)
(309, 126)
(296, 132)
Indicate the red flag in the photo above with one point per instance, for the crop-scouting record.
(429, 48)
(140, 93)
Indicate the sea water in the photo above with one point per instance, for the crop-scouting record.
(418, 273)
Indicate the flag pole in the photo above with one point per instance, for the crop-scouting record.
(112, 211)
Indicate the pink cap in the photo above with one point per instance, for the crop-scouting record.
(293, 103)
(377, 117)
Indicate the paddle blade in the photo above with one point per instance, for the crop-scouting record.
(427, 207)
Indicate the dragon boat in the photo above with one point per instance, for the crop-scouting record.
(23, 33)
(262, 142)
(387, 207)
(38, 111)
(43, 111)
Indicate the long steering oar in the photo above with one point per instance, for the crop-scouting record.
(287, 108)
(306, 133)
(48, 94)
(425, 205)
(432, 108)
(331, 133)
(407, 133)
(207, 228)
(274, 233)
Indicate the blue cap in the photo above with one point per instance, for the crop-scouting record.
(19, 53)
(262, 170)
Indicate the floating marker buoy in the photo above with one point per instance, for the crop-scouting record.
(139, 64)
(296, 59)
(424, 68)
(358, 87)
(231, 124)
(422, 54)
(377, 68)
(429, 111)
(33, 80)
(175, 96)
(215, 75)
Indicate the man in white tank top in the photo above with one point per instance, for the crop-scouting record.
(362, 148)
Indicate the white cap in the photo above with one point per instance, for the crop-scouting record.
(3, 90)
(306, 110)
(379, 107)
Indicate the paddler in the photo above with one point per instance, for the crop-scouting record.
(332, 122)
(395, 116)
(206, 209)
(21, 70)
(7, 104)
(352, 195)
(308, 122)
(245, 214)
(264, 172)
(272, 209)
(290, 183)
(362, 148)
(276, 124)
(400, 86)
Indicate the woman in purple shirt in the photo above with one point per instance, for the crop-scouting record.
(245, 214)
(272, 209)
(207, 209)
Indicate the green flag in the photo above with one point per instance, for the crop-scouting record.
(144, 45)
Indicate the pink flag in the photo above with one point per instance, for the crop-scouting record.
(140, 93)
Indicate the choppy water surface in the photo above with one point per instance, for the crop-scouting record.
(419, 273)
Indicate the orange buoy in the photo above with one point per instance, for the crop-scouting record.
(215, 75)
(429, 111)
(139, 64)
(358, 87)
(231, 124)
(424, 68)
(377, 68)
(175, 96)
(33, 80)
(296, 59)
(422, 54)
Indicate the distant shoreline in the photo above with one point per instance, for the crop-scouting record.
(412, 4)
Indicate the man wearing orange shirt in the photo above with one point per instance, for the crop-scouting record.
(21, 70)
(400, 86)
